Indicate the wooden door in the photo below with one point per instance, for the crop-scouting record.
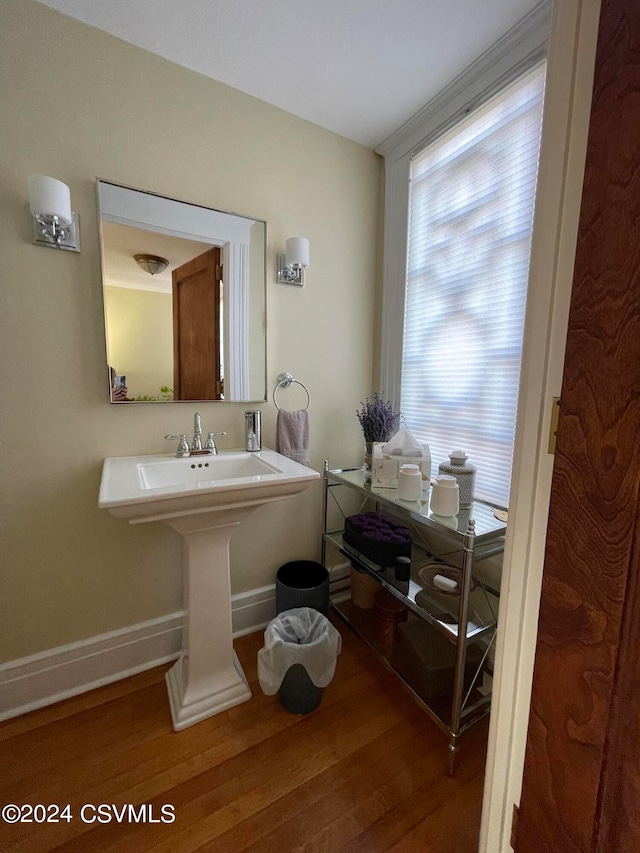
(196, 328)
(581, 786)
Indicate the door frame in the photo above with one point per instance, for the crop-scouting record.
(570, 67)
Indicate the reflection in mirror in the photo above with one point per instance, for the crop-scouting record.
(195, 330)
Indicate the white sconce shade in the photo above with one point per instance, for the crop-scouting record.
(54, 223)
(50, 197)
(294, 261)
(297, 252)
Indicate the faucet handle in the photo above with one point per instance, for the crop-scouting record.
(210, 442)
(183, 447)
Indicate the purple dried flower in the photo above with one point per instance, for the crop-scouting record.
(378, 419)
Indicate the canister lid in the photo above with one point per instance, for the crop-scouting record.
(446, 480)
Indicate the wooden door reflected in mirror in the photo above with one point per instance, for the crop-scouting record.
(196, 328)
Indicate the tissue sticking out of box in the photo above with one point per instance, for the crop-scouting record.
(388, 456)
(402, 444)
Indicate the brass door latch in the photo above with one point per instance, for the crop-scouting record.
(553, 426)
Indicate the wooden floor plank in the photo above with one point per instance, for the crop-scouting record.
(283, 764)
(75, 704)
(335, 791)
(428, 799)
(147, 747)
(366, 771)
(434, 832)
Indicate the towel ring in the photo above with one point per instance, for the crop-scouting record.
(284, 381)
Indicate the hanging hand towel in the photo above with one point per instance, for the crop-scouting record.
(292, 435)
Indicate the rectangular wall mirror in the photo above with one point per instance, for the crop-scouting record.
(186, 319)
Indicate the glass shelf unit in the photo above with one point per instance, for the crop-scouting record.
(487, 527)
(474, 534)
(439, 707)
(438, 608)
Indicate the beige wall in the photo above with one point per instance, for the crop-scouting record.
(140, 330)
(79, 104)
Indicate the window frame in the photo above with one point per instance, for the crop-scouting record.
(473, 392)
(523, 47)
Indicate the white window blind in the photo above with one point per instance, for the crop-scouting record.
(471, 210)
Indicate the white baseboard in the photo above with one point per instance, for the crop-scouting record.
(47, 677)
(251, 611)
(339, 578)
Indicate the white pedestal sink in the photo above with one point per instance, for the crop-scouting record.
(204, 498)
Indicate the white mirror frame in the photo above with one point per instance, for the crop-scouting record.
(230, 231)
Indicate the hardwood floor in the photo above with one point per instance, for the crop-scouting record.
(366, 771)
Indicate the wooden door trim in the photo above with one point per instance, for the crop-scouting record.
(619, 789)
(570, 63)
(581, 785)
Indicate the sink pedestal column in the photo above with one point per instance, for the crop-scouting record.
(207, 678)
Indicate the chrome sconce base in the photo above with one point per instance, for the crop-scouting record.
(289, 275)
(54, 233)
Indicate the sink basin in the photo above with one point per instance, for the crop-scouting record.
(154, 488)
(202, 473)
(203, 498)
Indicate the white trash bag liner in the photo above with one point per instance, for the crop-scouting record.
(301, 635)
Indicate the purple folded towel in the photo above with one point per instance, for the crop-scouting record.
(292, 435)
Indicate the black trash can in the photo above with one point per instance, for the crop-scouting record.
(302, 583)
(298, 694)
(298, 658)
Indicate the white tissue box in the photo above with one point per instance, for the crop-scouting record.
(385, 467)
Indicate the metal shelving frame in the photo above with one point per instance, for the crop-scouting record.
(476, 534)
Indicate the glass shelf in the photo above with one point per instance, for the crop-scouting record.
(487, 526)
(438, 608)
(437, 707)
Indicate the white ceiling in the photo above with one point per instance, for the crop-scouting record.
(360, 68)
(122, 242)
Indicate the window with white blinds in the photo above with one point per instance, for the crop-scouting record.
(471, 210)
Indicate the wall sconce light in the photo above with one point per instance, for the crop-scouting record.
(54, 223)
(151, 263)
(294, 261)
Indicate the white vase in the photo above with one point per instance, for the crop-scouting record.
(465, 474)
(410, 483)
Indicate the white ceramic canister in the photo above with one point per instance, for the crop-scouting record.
(445, 496)
(409, 482)
(465, 474)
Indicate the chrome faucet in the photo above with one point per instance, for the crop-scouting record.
(196, 448)
(196, 444)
